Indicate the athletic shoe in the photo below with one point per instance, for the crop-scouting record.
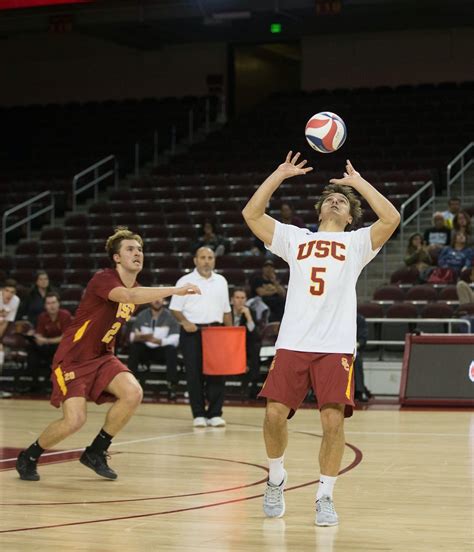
(97, 461)
(273, 499)
(325, 513)
(216, 421)
(26, 467)
(200, 421)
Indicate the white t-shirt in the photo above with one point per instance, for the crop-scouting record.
(321, 303)
(8, 310)
(208, 307)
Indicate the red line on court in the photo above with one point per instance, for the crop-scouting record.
(352, 465)
(83, 502)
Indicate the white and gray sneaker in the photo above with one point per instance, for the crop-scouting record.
(216, 421)
(325, 513)
(273, 499)
(200, 421)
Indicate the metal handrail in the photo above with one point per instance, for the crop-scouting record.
(96, 180)
(460, 174)
(416, 196)
(29, 217)
(448, 321)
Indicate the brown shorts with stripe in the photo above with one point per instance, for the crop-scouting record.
(85, 379)
(293, 373)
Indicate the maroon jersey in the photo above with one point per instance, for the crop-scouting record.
(97, 321)
(47, 327)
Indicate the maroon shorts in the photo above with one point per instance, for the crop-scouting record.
(85, 379)
(293, 373)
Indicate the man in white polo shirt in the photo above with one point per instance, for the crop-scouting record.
(211, 309)
(317, 337)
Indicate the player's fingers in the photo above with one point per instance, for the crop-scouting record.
(302, 164)
(345, 174)
(295, 158)
(288, 157)
(307, 169)
(335, 181)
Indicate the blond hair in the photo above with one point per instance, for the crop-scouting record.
(354, 202)
(113, 243)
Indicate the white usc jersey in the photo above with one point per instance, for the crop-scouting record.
(321, 303)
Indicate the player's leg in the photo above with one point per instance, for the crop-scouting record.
(333, 383)
(74, 417)
(285, 388)
(126, 389)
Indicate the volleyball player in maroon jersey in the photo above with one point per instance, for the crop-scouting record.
(85, 367)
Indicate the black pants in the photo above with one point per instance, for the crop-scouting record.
(253, 345)
(200, 386)
(359, 384)
(141, 354)
(39, 360)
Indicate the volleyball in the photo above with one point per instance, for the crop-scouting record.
(325, 132)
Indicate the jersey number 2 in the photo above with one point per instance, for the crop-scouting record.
(317, 289)
(111, 333)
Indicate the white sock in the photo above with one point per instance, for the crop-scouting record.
(277, 473)
(326, 486)
(2, 357)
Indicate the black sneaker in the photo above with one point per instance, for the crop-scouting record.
(26, 467)
(97, 461)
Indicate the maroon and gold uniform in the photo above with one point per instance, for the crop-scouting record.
(84, 363)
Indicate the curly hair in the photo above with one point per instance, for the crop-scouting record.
(113, 243)
(354, 203)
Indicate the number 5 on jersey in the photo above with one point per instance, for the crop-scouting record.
(318, 288)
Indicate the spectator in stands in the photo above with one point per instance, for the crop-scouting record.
(288, 217)
(417, 254)
(242, 315)
(462, 223)
(458, 256)
(361, 393)
(268, 287)
(454, 206)
(438, 235)
(48, 332)
(464, 290)
(9, 302)
(155, 338)
(33, 305)
(210, 238)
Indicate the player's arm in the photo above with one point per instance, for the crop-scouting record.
(262, 225)
(142, 295)
(389, 217)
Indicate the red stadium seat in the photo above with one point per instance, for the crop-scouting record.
(404, 275)
(437, 310)
(370, 310)
(402, 310)
(448, 293)
(388, 293)
(422, 293)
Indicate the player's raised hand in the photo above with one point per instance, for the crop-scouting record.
(188, 289)
(351, 176)
(291, 167)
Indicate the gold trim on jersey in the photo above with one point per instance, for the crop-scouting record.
(348, 388)
(125, 310)
(60, 379)
(80, 332)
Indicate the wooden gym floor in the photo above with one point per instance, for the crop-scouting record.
(407, 484)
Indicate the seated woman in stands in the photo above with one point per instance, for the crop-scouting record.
(417, 254)
(458, 256)
(462, 223)
(210, 238)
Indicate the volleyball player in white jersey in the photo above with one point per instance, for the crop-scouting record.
(317, 336)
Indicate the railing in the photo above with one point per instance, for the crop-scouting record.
(465, 160)
(448, 321)
(139, 153)
(419, 208)
(78, 189)
(29, 217)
